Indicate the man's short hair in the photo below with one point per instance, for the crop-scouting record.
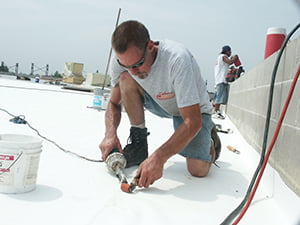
(127, 33)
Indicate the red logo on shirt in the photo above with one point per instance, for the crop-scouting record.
(165, 95)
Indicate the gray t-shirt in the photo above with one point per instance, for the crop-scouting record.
(174, 80)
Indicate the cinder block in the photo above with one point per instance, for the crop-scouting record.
(293, 113)
(292, 59)
(285, 158)
(259, 78)
(268, 69)
(247, 108)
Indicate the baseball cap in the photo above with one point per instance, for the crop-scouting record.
(226, 48)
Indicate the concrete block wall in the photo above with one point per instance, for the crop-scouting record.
(247, 108)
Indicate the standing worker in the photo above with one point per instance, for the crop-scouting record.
(222, 87)
(164, 78)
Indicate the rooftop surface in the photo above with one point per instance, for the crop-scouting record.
(74, 191)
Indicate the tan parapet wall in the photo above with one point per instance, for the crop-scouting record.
(247, 108)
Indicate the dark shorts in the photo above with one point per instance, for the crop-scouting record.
(199, 147)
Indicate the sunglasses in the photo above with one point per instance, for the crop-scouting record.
(139, 63)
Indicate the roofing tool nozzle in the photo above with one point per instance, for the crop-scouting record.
(116, 163)
(134, 184)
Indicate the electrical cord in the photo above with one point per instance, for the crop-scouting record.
(21, 120)
(238, 209)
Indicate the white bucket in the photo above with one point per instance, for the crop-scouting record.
(106, 99)
(19, 162)
(100, 99)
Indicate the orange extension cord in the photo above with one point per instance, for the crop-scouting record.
(270, 148)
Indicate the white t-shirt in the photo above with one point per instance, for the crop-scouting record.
(221, 69)
(174, 80)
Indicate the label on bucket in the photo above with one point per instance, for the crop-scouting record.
(98, 100)
(6, 173)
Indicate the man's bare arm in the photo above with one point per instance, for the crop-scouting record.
(112, 121)
(231, 60)
(183, 134)
(152, 168)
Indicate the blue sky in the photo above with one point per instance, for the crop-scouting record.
(58, 31)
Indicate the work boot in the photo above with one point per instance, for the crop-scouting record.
(216, 141)
(136, 150)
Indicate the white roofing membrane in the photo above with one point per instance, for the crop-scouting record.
(73, 191)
